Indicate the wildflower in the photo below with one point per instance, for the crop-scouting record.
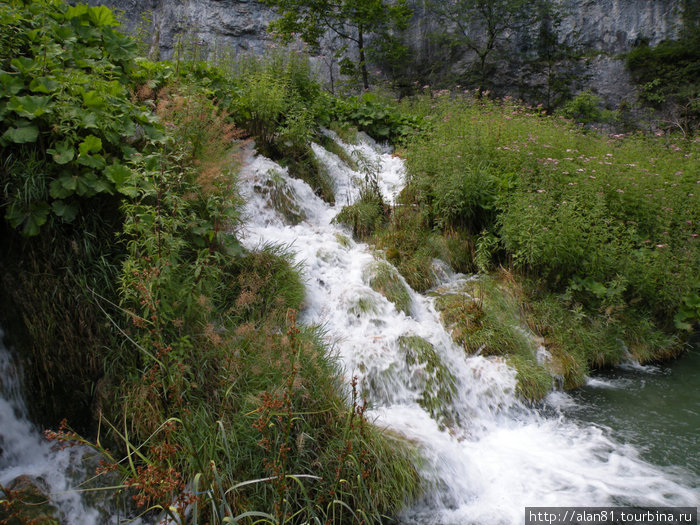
(662, 245)
(620, 191)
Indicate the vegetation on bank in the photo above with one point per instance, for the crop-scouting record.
(174, 350)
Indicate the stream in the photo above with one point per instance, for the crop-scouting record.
(486, 455)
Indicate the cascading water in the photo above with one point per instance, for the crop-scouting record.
(44, 468)
(486, 455)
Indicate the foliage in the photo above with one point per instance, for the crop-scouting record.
(119, 189)
(669, 77)
(378, 119)
(349, 21)
(585, 108)
(86, 129)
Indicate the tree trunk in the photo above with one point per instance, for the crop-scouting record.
(361, 49)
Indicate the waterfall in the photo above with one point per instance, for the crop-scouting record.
(27, 459)
(486, 455)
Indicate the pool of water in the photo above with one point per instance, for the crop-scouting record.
(655, 408)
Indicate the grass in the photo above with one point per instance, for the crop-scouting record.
(562, 203)
(436, 383)
(383, 278)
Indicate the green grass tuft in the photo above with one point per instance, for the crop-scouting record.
(383, 278)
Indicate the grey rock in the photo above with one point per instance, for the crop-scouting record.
(605, 28)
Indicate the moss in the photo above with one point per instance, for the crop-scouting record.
(308, 169)
(343, 240)
(383, 278)
(486, 317)
(331, 145)
(437, 383)
(461, 315)
(26, 500)
(302, 164)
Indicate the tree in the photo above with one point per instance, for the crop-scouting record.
(483, 26)
(551, 75)
(350, 21)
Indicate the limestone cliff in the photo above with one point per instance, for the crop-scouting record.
(605, 28)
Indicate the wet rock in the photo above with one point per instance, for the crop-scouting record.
(27, 501)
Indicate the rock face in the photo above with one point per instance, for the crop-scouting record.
(197, 26)
(604, 27)
(611, 27)
(614, 26)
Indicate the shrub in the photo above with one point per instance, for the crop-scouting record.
(585, 108)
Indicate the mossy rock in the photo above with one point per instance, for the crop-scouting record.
(383, 278)
(27, 501)
(462, 317)
(282, 198)
(437, 383)
(332, 146)
(343, 240)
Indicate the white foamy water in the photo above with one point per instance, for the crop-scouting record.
(486, 455)
(24, 452)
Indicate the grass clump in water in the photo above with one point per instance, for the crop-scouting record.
(282, 197)
(363, 304)
(436, 383)
(382, 277)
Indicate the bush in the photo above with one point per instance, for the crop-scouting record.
(585, 108)
(379, 120)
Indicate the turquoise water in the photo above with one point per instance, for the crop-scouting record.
(655, 408)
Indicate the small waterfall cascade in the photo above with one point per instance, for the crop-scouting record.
(486, 455)
(35, 466)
